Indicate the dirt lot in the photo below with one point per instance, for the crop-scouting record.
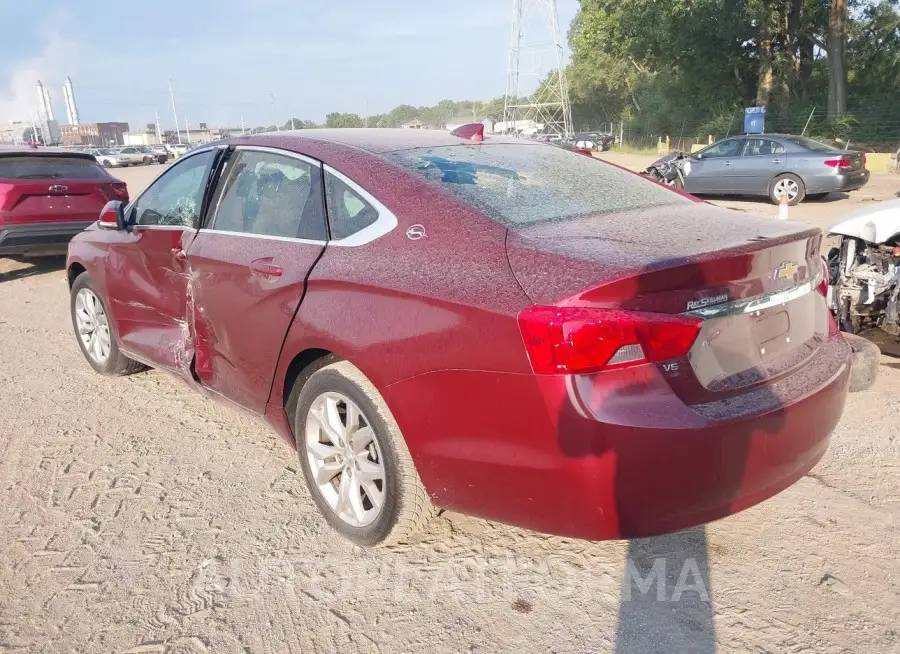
(138, 517)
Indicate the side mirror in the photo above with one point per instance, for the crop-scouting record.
(113, 216)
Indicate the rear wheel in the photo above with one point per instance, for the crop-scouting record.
(789, 185)
(107, 163)
(355, 460)
(95, 333)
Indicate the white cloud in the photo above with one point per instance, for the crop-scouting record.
(56, 59)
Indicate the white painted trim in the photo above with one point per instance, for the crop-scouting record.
(290, 239)
(386, 221)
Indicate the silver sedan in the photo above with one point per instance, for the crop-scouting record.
(774, 165)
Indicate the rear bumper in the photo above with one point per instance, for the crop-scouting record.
(520, 449)
(39, 238)
(845, 182)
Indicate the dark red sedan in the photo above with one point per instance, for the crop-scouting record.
(501, 328)
(47, 195)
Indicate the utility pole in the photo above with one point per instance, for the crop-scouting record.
(551, 109)
(158, 130)
(274, 110)
(187, 128)
(174, 113)
(242, 124)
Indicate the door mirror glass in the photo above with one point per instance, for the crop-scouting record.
(113, 216)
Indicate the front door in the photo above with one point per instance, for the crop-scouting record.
(762, 160)
(146, 267)
(712, 168)
(250, 265)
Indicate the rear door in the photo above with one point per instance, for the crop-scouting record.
(43, 189)
(762, 160)
(250, 267)
(712, 169)
(147, 272)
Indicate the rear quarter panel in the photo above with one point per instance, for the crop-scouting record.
(396, 307)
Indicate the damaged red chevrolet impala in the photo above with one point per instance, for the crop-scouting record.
(494, 326)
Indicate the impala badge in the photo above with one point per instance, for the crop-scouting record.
(415, 232)
(785, 271)
(58, 188)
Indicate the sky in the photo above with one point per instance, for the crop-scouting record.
(227, 58)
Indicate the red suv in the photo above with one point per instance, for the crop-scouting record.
(48, 195)
(502, 328)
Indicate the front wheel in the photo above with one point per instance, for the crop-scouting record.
(789, 185)
(94, 332)
(355, 461)
(107, 163)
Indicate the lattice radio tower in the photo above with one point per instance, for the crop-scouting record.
(536, 88)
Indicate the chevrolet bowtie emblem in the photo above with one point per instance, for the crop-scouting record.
(786, 271)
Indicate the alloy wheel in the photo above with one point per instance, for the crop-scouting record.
(788, 186)
(345, 459)
(93, 325)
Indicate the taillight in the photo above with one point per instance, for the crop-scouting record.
(838, 163)
(119, 191)
(823, 283)
(570, 340)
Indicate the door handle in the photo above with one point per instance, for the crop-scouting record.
(727, 163)
(778, 161)
(179, 255)
(265, 268)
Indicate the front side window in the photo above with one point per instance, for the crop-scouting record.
(348, 212)
(762, 148)
(727, 148)
(176, 198)
(271, 195)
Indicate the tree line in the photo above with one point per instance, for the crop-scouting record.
(691, 66)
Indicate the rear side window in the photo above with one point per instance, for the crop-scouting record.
(809, 144)
(50, 168)
(272, 195)
(348, 212)
(521, 184)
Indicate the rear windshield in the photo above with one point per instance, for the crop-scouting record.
(50, 168)
(809, 144)
(522, 184)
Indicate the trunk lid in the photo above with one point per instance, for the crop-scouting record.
(50, 200)
(752, 280)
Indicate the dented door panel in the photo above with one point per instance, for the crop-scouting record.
(148, 280)
(242, 311)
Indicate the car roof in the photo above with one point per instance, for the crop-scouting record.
(374, 140)
(41, 151)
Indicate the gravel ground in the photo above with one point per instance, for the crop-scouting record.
(139, 517)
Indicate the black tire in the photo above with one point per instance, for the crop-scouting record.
(116, 363)
(816, 197)
(107, 163)
(801, 189)
(865, 363)
(407, 507)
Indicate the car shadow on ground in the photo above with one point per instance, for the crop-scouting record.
(27, 267)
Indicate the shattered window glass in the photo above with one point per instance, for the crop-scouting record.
(176, 198)
(521, 184)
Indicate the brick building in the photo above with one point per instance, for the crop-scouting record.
(98, 134)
